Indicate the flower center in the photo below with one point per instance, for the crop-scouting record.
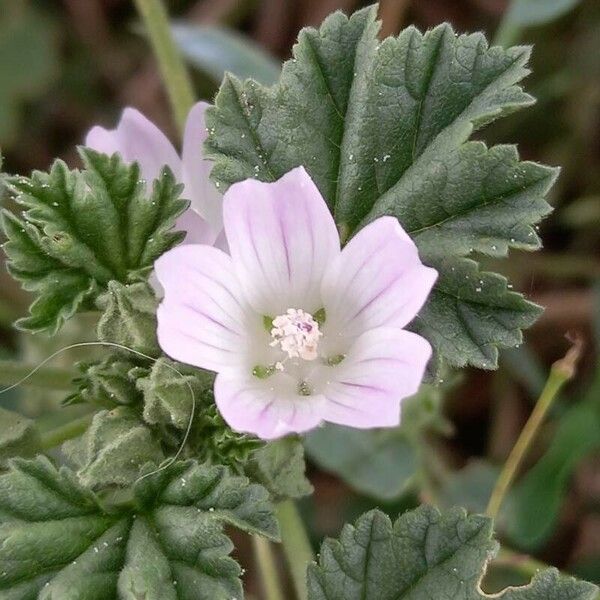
(297, 333)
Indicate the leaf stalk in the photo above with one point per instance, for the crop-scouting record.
(296, 545)
(172, 68)
(561, 372)
(265, 560)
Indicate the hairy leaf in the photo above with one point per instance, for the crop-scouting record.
(114, 449)
(107, 383)
(422, 556)
(171, 390)
(79, 230)
(129, 317)
(383, 128)
(280, 467)
(19, 435)
(58, 542)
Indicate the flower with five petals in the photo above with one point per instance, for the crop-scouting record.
(298, 330)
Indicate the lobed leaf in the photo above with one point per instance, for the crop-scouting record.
(383, 128)
(19, 436)
(114, 449)
(279, 466)
(58, 542)
(129, 317)
(80, 230)
(423, 555)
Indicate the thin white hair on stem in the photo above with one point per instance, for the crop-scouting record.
(188, 430)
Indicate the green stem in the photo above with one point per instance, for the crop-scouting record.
(263, 551)
(172, 68)
(561, 371)
(11, 373)
(296, 545)
(508, 33)
(65, 432)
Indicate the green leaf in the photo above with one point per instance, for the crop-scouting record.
(216, 51)
(57, 248)
(382, 128)
(129, 317)
(19, 436)
(469, 313)
(423, 555)
(280, 467)
(170, 390)
(470, 487)
(378, 462)
(107, 383)
(114, 449)
(534, 505)
(538, 12)
(58, 542)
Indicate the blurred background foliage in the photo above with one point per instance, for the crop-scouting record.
(66, 65)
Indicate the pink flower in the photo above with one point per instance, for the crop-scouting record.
(138, 139)
(299, 331)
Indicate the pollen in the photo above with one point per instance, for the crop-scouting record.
(297, 333)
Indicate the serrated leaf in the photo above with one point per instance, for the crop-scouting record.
(129, 317)
(280, 467)
(19, 436)
(57, 541)
(114, 449)
(107, 383)
(382, 128)
(422, 556)
(79, 230)
(170, 390)
(470, 313)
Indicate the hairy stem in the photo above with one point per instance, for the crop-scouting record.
(562, 370)
(296, 545)
(65, 432)
(11, 373)
(172, 68)
(265, 560)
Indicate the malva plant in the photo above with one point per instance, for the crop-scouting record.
(310, 258)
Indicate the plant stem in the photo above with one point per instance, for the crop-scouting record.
(172, 68)
(12, 373)
(263, 551)
(562, 370)
(508, 34)
(296, 545)
(65, 432)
